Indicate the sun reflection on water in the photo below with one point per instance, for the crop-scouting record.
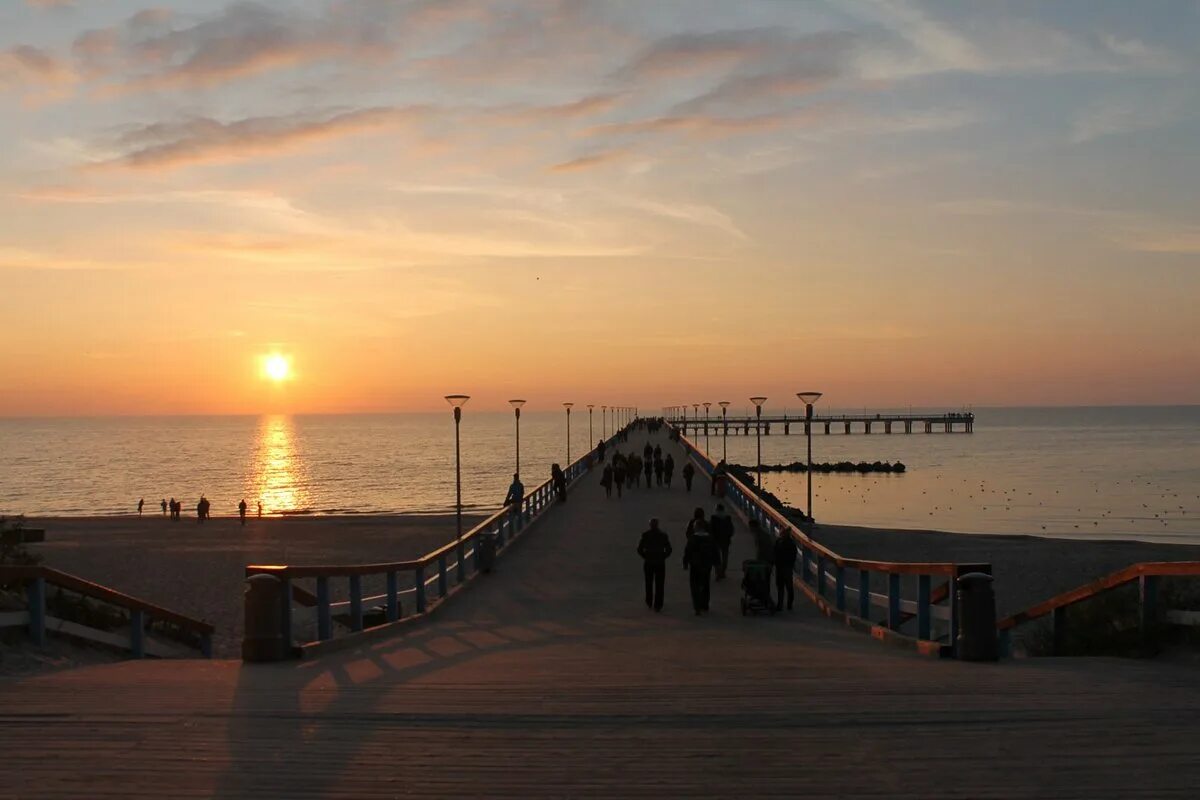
(279, 470)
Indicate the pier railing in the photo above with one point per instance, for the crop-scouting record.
(1151, 615)
(84, 610)
(860, 591)
(413, 588)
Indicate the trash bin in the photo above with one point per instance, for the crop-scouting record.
(976, 617)
(487, 551)
(262, 639)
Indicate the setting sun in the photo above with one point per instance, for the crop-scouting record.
(277, 368)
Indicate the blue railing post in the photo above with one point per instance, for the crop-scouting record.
(893, 615)
(393, 597)
(356, 609)
(500, 534)
(137, 633)
(285, 622)
(923, 614)
(206, 645)
(461, 554)
(840, 590)
(805, 560)
(864, 593)
(820, 576)
(443, 585)
(419, 581)
(952, 634)
(324, 613)
(36, 594)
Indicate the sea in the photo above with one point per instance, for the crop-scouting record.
(1084, 472)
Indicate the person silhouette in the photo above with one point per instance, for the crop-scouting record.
(688, 473)
(164, 506)
(606, 480)
(699, 557)
(649, 470)
(141, 502)
(260, 509)
(560, 482)
(668, 469)
(242, 511)
(655, 549)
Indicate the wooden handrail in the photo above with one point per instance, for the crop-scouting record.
(96, 591)
(1110, 581)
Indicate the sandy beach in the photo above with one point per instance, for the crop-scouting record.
(197, 569)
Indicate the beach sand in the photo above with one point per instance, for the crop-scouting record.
(198, 570)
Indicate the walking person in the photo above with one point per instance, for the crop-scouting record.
(141, 503)
(764, 551)
(200, 510)
(242, 512)
(699, 556)
(606, 480)
(600, 448)
(785, 567)
(649, 470)
(260, 509)
(619, 472)
(689, 472)
(697, 521)
(647, 452)
(635, 471)
(722, 532)
(668, 469)
(164, 506)
(658, 470)
(655, 549)
(560, 482)
(513, 500)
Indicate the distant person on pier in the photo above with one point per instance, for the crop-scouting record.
(606, 480)
(141, 503)
(658, 468)
(164, 506)
(560, 482)
(689, 472)
(647, 452)
(648, 468)
(619, 464)
(668, 469)
(242, 511)
(695, 523)
(785, 567)
(600, 448)
(699, 557)
(512, 500)
(655, 549)
(721, 525)
(634, 474)
(657, 451)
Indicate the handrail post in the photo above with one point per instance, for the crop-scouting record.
(137, 633)
(840, 591)
(36, 594)
(805, 560)
(285, 622)
(461, 553)
(923, 614)
(820, 576)
(393, 597)
(443, 588)
(356, 609)
(419, 580)
(324, 613)
(500, 534)
(864, 593)
(893, 615)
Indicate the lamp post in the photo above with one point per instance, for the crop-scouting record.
(724, 404)
(567, 406)
(808, 398)
(758, 404)
(516, 404)
(591, 441)
(457, 401)
(706, 405)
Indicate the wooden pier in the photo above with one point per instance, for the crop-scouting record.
(963, 422)
(550, 678)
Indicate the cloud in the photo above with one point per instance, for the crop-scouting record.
(26, 67)
(203, 139)
(1161, 238)
(1127, 115)
(600, 159)
(706, 126)
(691, 53)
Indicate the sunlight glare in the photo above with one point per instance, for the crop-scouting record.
(277, 367)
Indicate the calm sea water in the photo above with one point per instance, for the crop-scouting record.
(1087, 472)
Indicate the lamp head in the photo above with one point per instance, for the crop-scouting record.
(457, 400)
(706, 405)
(516, 403)
(808, 398)
(567, 406)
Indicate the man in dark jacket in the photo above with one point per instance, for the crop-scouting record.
(688, 472)
(668, 469)
(785, 568)
(655, 549)
(699, 556)
(722, 531)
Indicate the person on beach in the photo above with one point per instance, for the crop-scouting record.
(699, 556)
(513, 499)
(668, 469)
(200, 510)
(689, 472)
(164, 506)
(141, 503)
(722, 532)
(655, 549)
(785, 567)
(606, 480)
(174, 511)
(697, 521)
(658, 470)
(560, 482)
(648, 469)
(242, 511)
(260, 509)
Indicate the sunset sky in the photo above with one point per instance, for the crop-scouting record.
(624, 202)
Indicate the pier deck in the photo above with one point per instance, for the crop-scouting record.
(550, 678)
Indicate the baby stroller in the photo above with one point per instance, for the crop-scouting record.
(756, 588)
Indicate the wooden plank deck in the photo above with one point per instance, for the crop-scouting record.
(552, 679)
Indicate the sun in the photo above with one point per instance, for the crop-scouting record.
(277, 368)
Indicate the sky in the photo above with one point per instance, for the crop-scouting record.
(631, 203)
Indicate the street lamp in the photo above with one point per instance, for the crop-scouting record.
(808, 398)
(567, 406)
(604, 421)
(758, 404)
(706, 405)
(458, 401)
(516, 404)
(591, 441)
(724, 404)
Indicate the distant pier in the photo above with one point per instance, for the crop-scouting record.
(963, 422)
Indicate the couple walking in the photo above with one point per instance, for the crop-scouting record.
(706, 550)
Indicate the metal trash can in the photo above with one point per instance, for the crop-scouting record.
(487, 551)
(262, 639)
(976, 618)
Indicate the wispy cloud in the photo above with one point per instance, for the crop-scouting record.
(590, 161)
(28, 67)
(1118, 115)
